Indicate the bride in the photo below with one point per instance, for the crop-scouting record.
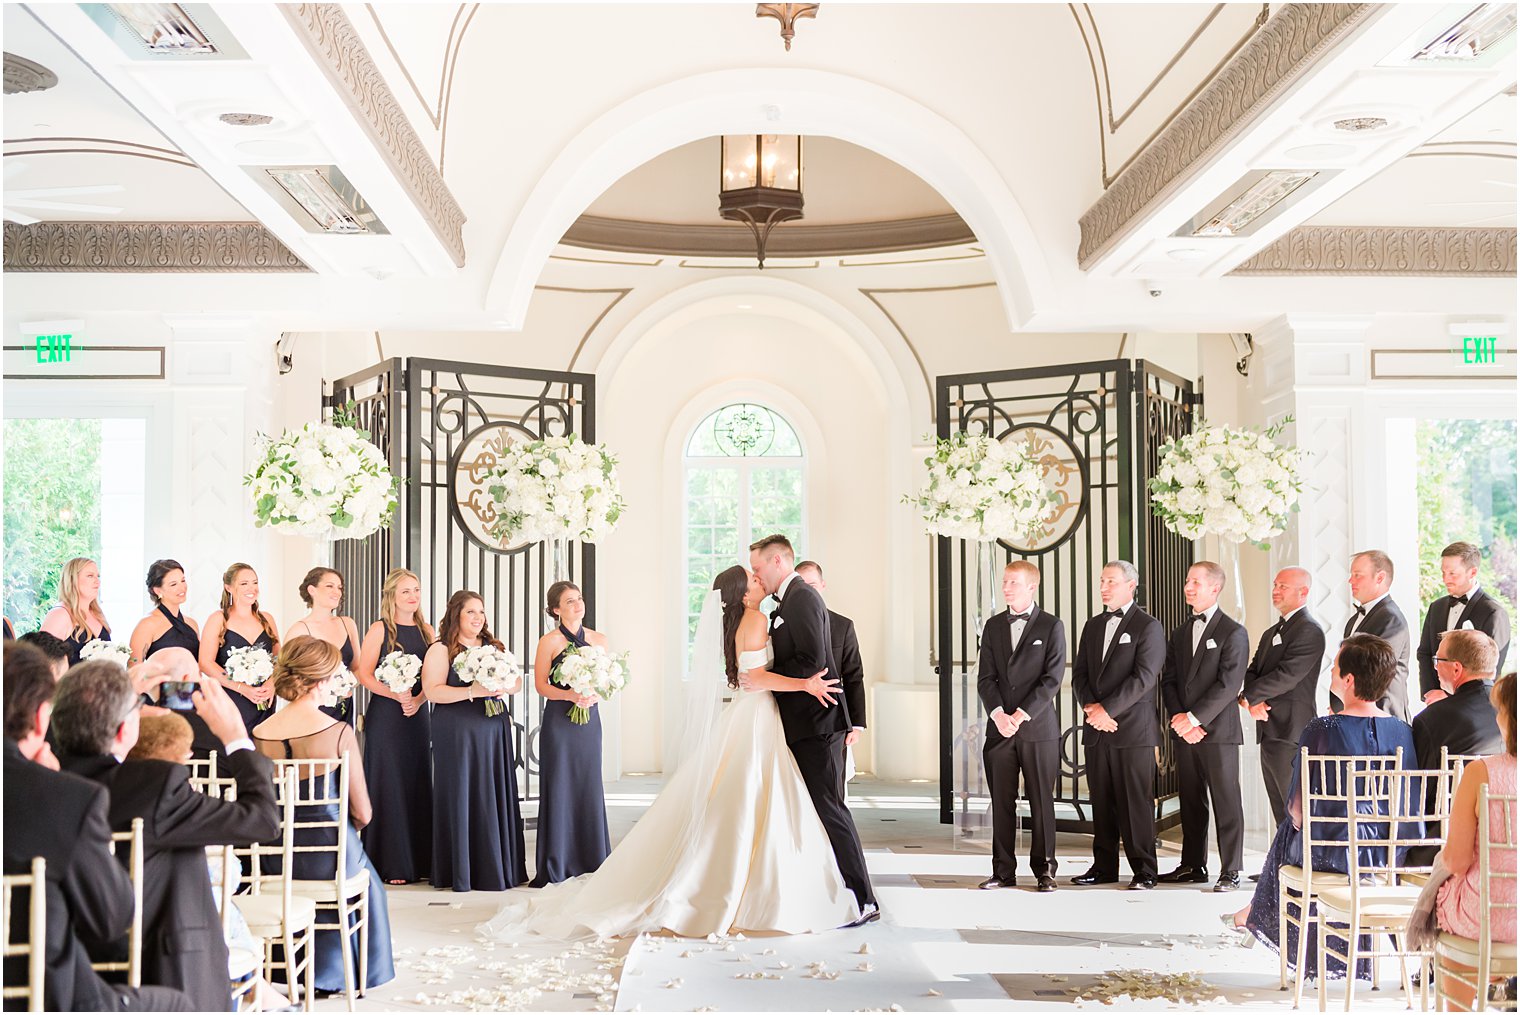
(732, 843)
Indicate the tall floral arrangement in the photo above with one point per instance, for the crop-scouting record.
(1237, 484)
(324, 480)
(982, 489)
(554, 488)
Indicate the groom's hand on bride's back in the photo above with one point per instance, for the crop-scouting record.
(823, 690)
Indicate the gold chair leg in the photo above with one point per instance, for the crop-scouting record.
(363, 938)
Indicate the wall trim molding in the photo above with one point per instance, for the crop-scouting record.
(727, 239)
(147, 247)
(1387, 251)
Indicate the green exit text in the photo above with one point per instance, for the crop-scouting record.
(55, 348)
(1477, 349)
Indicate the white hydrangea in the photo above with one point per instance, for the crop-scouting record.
(1236, 484)
(982, 489)
(555, 488)
(323, 480)
(591, 670)
(99, 648)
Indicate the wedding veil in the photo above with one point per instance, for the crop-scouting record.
(705, 674)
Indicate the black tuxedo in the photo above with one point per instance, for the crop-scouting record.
(183, 945)
(1284, 673)
(62, 818)
(1482, 612)
(847, 667)
(1207, 684)
(801, 645)
(1463, 723)
(1386, 621)
(1026, 676)
(1121, 766)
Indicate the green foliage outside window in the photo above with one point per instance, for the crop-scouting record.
(52, 509)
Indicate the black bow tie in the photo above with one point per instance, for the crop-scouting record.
(1012, 617)
(1199, 618)
(1459, 599)
(1108, 614)
(1361, 611)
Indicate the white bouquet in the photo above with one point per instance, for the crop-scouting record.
(250, 666)
(398, 671)
(99, 648)
(323, 480)
(555, 488)
(1237, 484)
(591, 670)
(491, 669)
(340, 686)
(982, 489)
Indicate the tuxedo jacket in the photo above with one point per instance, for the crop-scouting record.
(1207, 682)
(1284, 673)
(1027, 677)
(1124, 681)
(1482, 613)
(801, 645)
(1463, 723)
(183, 945)
(62, 818)
(1387, 621)
(847, 667)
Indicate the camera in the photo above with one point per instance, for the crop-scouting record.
(176, 695)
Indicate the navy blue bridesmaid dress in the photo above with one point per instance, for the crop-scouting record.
(251, 713)
(572, 813)
(343, 711)
(182, 635)
(477, 827)
(82, 637)
(398, 766)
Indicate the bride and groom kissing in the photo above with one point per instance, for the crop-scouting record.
(751, 832)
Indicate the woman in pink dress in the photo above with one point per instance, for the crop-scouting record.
(1459, 901)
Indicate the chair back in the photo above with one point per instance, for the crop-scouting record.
(133, 840)
(1496, 837)
(1391, 819)
(1324, 795)
(320, 787)
(202, 768)
(35, 945)
(225, 861)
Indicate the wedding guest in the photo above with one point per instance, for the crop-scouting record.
(1200, 684)
(239, 623)
(1363, 668)
(163, 737)
(1465, 721)
(1465, 607)
(1281, 683)
(845, 650)
(1377, 614)
(572, 815)
(300, 731)
(477, 829)
(322, 591)
(1019, 670)
(54, 648)
(398, 731)
(78, 618)
(1119, 658)
(1459, 899)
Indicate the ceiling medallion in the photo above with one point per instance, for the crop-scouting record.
(246, 119)
(788, 15)
(23, 75)
(1357, 124)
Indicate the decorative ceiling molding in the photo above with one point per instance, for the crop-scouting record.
(94, 146)
(617, 297)
(438, 114)
(23, 75)
(628, 236)
(923, 371)
(331, 39)
(147, 247)
(1388, 251)
(1286, 47)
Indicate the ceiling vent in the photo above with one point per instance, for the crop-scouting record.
(1478, 31)
(320, 198)
(1251, 203)
(166, 31)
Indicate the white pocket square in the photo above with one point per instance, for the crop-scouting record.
(1210, 644)
(1124, 639)
(1277, 639)
(1467, 625)
(778, 622)
(1037, 642)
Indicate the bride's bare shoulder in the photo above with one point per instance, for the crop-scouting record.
(752, 631)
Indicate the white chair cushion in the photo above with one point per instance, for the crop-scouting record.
(262, 912)
(1294, 877)
(241, 963)
(322, 891)
(1377, 902)
(1462, 947)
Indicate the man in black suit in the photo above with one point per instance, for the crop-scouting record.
(1200, 684)
(96, 716)
(62, 818)
(844, 652)
(1019, 671)
(1465, 607)
(1281, 683)
(1377, 614)
(800, 644)
(1119, 658)
(1465, 720)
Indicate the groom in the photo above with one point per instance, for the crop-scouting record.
(800, 643)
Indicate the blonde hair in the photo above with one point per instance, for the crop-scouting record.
(68, 596)
(1028, 566)
(1475, 650)
(227, 578)
(388, 610)
(162, 738)
(303, 664)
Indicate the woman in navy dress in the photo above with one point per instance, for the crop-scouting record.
(398, 764)
(477, 828)
(240, 624)
(168, 627)
(572, 814)
(300, 730)
(322, 591)
(1360, 675)
(78, 619)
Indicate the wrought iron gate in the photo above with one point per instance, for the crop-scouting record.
(1098, 428)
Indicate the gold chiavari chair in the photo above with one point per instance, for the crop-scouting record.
(35, 946)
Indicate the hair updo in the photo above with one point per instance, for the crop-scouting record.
(158, 572)
(553, 596)
(303, 664)
(731, 586)
(313, 577)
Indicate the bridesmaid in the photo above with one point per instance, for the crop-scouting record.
(322, 591)
(166, 626)
(397, 734)
(572, 817)
(477, 829)
(78, 618)
(239, 624)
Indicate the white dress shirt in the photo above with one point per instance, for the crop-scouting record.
(1457, 609)
(1015, 635)
(1208, 615)
(1366, 609)
(1112, 625)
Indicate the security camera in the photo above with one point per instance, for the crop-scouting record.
(285, 352)
(1154, 288)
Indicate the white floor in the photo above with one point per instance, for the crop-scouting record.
(942, 946)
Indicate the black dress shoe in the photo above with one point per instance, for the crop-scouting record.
(1093, 877)
(1229, 881)
(1142, 881)
(1046, 883)
(1185, 875)
(1253, 877)
(995, 882)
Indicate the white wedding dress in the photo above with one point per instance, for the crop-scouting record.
(732, 843)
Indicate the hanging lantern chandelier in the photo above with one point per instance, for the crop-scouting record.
(760, 183)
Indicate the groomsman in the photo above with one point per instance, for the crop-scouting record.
(1465, 607)
(1281, 682)
(1377, 614)
(1019, 671)
(845, 650)
(1200, 684)
(1119, 658)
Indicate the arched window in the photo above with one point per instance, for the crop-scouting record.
(744, 480)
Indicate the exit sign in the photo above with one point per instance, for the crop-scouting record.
(57, 348)
(1480, 350)
(1480, 346)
